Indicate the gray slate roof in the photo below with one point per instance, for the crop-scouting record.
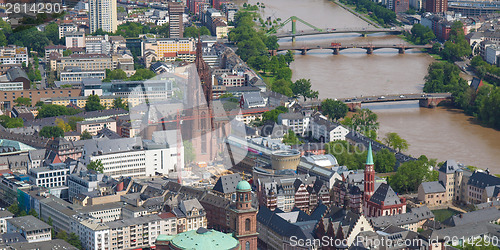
(449, 166)
(414, 216)
(433, 187)
(226, 184)
(483, 215)
(482, 180)
(386, 194)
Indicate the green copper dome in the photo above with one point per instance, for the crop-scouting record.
(243, 186)
(204, 239)
(369, 156)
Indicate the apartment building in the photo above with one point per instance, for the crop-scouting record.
(231, 80)
(297, 122)
(95, 126)
(103, 15)
(33, 229)
(13, 54)
(59, 49)
(326, 131)
(75, 74)
(190, 215)
(121, 234)
(75, 39)
(81, 101)
(4, 216)
(8, 97)
(86, 62)
(168, 49)
(67, 28)
(55, 175)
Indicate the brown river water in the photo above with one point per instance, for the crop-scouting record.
(438, 133)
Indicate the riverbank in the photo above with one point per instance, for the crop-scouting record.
(352, 11)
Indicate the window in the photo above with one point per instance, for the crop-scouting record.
(247, 224)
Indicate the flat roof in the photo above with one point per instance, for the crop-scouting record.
(28, 223)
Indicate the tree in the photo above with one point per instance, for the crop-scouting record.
(96, 166)
(365, 121)
(282, 86)
(74, 240)
(72, 120)
(289, 57)
(9, 122)
(33, 213)
(116, 74)
(346, 154)
(272, 115)
(421, 34)
(142, 74)
(411, 174)
(51, 132)
(14, 208)
(51, 110)
(384, 161)
(334, 109)
(39, 104)
(93, 103)
(52, 33)
(393, 140)
(85, 135)
(291, 138)
(62, 235)
(67, 52)
(3, 39)
(189, 152)
(194, 31)
(456, 46)
(118, 103)
(302, 87)
(63, 125)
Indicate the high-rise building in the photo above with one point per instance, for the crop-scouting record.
(175, 11)
(436, 6)
(103, 15)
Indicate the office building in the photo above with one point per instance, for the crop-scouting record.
(175, 11)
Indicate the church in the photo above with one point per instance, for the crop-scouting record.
(383, 201)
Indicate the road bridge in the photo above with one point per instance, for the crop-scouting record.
(362, 31)
(339, 47)
(428, 100)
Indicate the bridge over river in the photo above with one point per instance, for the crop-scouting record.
(336, 48)
(428, 100)
(362, 31)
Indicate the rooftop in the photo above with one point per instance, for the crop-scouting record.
(28, 223)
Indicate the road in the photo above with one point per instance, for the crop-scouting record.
(43, 82)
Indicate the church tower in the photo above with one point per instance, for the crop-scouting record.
(369, 180)
(246, 217)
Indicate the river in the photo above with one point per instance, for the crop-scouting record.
(438, 133)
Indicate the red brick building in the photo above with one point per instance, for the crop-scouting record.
(383, 201)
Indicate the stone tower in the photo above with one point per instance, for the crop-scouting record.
(246, 217)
